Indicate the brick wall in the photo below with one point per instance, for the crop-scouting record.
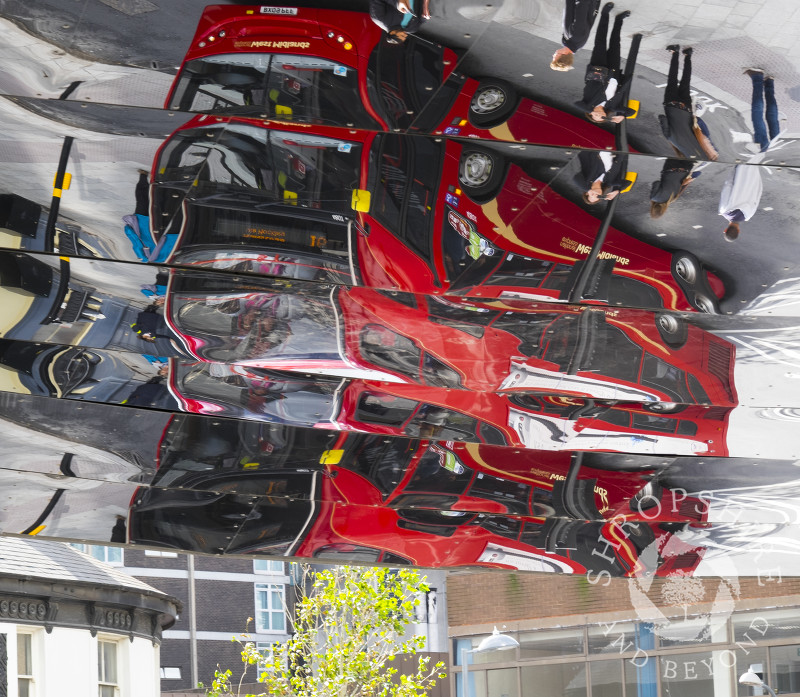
(224, 607)
(500, 597)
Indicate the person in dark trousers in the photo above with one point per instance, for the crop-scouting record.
(579, 16)
(602, 175)
(676, 175)
(604, 93)
(764, 131)
(688, 135)
(150, 324)
(399, 18)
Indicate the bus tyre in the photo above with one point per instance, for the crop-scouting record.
(480, 174)
(706, 303)
(673, 330)
(690, 275)
(687, 268)
(492, 104)
(664, 407)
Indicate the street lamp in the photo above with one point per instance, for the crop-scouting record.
(494, 642)
(751, 678)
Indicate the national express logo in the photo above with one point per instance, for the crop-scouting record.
(714, 595)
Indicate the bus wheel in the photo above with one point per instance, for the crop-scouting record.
(493, 102)
(663, 407)
(480, 174)
(673, 330)
(687, 268)
(706, 304)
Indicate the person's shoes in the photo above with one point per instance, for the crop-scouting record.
(688, 51)
(622, 15)
(673, 48)
(608, 7)
(753, 71)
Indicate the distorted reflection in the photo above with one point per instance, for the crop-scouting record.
(376, 288)
(227, 486)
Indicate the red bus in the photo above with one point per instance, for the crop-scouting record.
(452, 343)
(540, 422)
(332, 67)
(364, 498)
(443, 216)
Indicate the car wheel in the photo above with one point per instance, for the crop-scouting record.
(480, 174)
(493, 102)
(673, 330)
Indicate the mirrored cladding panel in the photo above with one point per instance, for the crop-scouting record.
(512, 286)
(109, 474)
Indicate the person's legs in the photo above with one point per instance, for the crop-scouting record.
(599, 52)
(142, 195)
(757, 110)
(773, 121)
(685, 89)
(671, 92)
(614, 49)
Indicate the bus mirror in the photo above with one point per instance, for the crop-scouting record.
(633, 104)
(361, 200)
(630, 177)
(331, 457)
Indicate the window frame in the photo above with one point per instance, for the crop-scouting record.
(30, 677)
(261, 612)
(102, 682)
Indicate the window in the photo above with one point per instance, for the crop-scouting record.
(270, 614)
(170, 673)
(266, 651)
(267, 566)
(24, 665)
(109, 555)
(107, 668)
(159, 553)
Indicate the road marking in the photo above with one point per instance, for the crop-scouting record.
(131, 7)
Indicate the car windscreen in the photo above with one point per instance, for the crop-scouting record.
(405, 174)
(405, 76)
(269, 166)
(306, 89)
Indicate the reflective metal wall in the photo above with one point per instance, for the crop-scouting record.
(320, 295)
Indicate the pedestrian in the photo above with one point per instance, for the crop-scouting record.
(676, 175)
(741, 194)
(602, 175)
(399, 18)
(577, 22)
(605, 88)
(764, 131)
(137, 226)
(688, 135)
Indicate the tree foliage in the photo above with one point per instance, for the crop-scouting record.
(348, 624)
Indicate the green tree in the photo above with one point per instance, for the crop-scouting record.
(348, 625)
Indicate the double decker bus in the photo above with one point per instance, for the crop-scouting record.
(334, 67)
(431, 215)
(268, 489)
